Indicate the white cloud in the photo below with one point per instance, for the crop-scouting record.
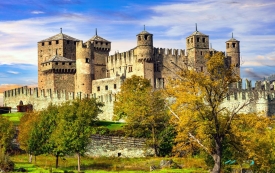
(37, 12)
(13, 72)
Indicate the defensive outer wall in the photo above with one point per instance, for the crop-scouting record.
(261, 98)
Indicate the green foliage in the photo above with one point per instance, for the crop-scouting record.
(143, 110)
(7, 132)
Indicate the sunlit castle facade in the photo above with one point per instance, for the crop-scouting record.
(69, 68)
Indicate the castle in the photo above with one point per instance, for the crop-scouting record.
(70, 68)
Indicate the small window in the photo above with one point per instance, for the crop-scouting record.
(227, 45)
(106, 87)
(201, 52)
(50, 43)
(98, 88)
(42, 43)
(56, 42)
(96, 42)
(145, 37)
(87, 60)
(191, 40)
(201, 69)
(63, 63)
(56, 63)
(106, 44)
(74, 42)
(188, 41)
(233, 45)
(139, 38)
(198, 39)
(203, 40)
(101, 43)
(70, 63)
(68, 41)
(114, 86)
(130, 68)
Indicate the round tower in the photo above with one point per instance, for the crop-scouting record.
(233, 54)
(144, 46)
(83, 80)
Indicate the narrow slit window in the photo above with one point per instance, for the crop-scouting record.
(56, 42)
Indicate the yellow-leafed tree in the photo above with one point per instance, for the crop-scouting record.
(202, 120)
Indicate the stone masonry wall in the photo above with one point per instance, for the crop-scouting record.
(114, 146)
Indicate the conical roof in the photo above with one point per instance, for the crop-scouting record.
(232, 39)
(59, 36)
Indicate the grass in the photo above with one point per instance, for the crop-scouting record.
(111, 125)
(14, 117)
(103, 165)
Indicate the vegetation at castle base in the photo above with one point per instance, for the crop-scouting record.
(202, 123)
(59, 130)
(45, 163)
(143, 110)
(7, 132)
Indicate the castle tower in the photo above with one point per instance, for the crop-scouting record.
(233, 54)
(83, 78)
(91, 62)
(197, 46)
(54, 48)
(99, 56)
(144, 53)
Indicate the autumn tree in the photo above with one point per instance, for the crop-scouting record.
(7, 132)
(75, 120)
(143, 110)
(202, 120)
(29, 134)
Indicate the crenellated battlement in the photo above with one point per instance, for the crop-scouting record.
(39, 98)
(167, 51)
(121, 56)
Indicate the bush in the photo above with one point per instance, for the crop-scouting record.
(6, 165)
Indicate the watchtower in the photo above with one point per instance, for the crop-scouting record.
(233, 54)
(144, 55)
(197, 46)
(91, 62)
(58, 49)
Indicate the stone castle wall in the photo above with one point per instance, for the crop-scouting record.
(115, 146)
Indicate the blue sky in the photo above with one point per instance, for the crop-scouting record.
(23, 23)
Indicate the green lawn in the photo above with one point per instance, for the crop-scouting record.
(14, 117)
(103, 165)
(111, 125)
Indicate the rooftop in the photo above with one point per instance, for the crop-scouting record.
(59, 36)
(57, 58)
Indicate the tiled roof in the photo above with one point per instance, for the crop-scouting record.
(60, 36)
(144, 32)
(57, 58)
(98, 38)
(197, 33)
(232, 39)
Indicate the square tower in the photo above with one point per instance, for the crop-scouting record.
(197, 46)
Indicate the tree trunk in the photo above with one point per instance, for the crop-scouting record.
(154, 141)
(217, 157)
(78, 161)
(30, 158)
(34, 159)
(56, 161)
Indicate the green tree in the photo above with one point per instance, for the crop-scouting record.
(7, 132)
(75, 120)
(143, 110)
(28, 137)
(202, 120)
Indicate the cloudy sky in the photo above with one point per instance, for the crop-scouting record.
(23, 23)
